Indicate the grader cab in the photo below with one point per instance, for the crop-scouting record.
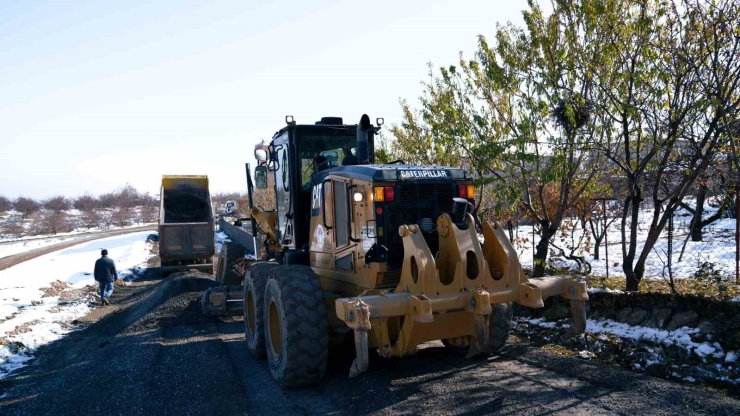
(387, 252)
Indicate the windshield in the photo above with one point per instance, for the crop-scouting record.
(319, 152)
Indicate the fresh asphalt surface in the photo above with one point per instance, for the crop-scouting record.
(153, 353)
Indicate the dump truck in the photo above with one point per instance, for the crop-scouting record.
(374, 256)
(186, 239)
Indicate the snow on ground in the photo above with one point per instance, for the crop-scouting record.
(718, 247)
(4, 239)
(680, 337)
(602, 290)
(32, 320)
(9, 249)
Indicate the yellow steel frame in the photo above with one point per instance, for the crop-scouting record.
(451, 296)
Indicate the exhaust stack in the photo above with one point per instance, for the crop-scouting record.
(363, 130)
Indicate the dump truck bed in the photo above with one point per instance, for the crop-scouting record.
(186, 239)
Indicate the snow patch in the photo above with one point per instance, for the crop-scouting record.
(31, 320)
(603, 290)
(680, 337)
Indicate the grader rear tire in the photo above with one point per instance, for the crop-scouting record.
(295, 326)
(255, 279)
(230, 265)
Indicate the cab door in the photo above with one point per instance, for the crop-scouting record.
(332, 227)
(322, 240)
(345, 253)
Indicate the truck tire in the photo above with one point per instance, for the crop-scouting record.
(230, 265)
(295, 326)
(255, 279)
(499, 327)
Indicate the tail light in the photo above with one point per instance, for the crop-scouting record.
(466, 191)
(462, 191)
(384, 194)
(390, 193)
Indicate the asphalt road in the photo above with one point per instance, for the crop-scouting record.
(9, 261)
(153, 353)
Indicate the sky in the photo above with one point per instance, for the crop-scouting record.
(98, 94)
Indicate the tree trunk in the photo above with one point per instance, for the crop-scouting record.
(597, 246)
(540, 255)
(633, 282)
(635, 200)
(696, 225)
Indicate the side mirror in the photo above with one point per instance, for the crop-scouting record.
(260, 155)
(260, 177)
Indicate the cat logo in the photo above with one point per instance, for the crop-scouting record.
(316, 199)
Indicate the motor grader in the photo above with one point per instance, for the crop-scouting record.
(387, 252)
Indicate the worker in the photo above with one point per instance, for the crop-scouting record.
(105, 275)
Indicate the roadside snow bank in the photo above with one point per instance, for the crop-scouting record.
(9, 249)
(31, 315)
(680, 337)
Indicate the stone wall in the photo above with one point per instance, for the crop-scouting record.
(717, 320)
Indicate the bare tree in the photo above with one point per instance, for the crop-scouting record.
(13, 226)
(126, 200)
(599, 222)
(726, 199)
(26, 206)
(106, 218)
(86, 202)
(90, 218)
(49, 222)
(148, 213)
(57, 204)
(107, 200)
(671, 92)
(122, 217)
(5, 204)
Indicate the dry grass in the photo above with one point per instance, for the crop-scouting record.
(682, 286)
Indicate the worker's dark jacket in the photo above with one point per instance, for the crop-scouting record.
(105, 270)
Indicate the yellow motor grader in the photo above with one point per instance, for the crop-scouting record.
(388, 251)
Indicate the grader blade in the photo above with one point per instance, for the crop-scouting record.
(222, 301)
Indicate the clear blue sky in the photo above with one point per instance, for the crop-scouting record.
(97, 94)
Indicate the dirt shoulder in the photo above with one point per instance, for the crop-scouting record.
(10, 261)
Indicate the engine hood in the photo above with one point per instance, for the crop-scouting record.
(379, 173)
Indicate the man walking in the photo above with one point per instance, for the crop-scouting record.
(105, 275)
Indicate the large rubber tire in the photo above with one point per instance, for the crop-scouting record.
(499, 326)
(231, 263)
(255, 279)
(295, 326)
(164, 273)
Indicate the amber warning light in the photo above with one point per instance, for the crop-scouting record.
(384, 194)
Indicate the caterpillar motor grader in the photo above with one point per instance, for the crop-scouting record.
(388, 252)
